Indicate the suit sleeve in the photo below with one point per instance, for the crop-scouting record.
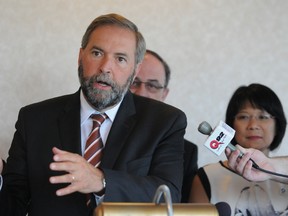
(15, 195)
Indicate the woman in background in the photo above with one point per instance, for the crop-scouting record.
(256, 114)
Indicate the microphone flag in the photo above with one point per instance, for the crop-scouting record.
(220, 138)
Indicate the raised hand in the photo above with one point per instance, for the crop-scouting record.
(82, 176)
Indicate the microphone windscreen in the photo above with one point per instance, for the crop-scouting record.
(205, 128)
(223, 208)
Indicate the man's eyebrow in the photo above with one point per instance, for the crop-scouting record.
(117, 53)
(153, 80)
(122, 54)
(96, 47)
(148, 80)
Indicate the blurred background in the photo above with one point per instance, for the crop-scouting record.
(212, 47)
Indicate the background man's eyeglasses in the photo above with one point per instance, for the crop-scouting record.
(152, 87)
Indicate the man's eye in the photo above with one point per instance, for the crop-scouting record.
(150, 85)
(122, 59)
(136, 83)
(96, 53)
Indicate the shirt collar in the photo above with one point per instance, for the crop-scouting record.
(86, 109)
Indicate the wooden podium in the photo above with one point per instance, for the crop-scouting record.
(149, 209)
(155, 208)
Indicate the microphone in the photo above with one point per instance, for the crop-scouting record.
(216, 138)
(223, 208)
(164, 189)
(206, 129)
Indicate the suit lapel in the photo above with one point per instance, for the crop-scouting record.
(70, 132)
(69, 125)
(119, 132)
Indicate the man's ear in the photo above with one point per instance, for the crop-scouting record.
(165, 93)
(137, 69)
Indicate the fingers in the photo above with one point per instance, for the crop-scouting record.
(241, 163)
(80, 175)
(67, 162)
(70, 177)
(232, 158)
(227, 152)
(60, 155)
(67, 178)
(67, 190)
(55, 150)
(247, 170)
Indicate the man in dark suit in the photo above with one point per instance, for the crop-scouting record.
(152, 81)
(46, 174)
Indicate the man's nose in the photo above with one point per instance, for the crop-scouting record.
(106, 64)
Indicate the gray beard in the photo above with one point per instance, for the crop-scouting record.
(101, 99)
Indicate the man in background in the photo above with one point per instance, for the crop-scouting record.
(152, 82)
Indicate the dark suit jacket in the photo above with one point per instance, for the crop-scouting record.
(190, 168)
(144, 149)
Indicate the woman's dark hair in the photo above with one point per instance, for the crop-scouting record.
(260, 97)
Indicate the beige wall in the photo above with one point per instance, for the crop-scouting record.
(212, 46)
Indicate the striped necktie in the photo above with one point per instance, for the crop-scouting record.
(94, 144)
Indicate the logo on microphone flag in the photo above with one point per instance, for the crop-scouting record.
(220, 138)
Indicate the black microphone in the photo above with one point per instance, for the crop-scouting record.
(223, 209)
(206, 129)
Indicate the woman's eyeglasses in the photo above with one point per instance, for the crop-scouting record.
(242, 117)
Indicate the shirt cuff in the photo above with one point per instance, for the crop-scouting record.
(99, 199)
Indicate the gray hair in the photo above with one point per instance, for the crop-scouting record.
(120, 21)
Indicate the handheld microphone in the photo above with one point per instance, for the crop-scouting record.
(223, 208)
(206, 129)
